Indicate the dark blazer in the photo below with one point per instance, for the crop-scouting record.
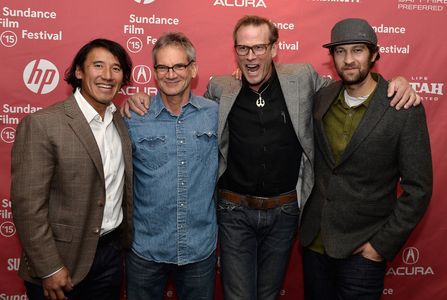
(58, 191)
(299, 83)
(354, 201)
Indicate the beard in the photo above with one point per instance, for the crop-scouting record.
(353, 79)
(357, 78)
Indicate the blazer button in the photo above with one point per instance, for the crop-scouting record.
(96, 230)
(100, 203)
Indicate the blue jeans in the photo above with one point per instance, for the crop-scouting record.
(352, 278)
(255, 247)
(147, 279)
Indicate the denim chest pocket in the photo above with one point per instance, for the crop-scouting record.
(152, 151)
(206, 143)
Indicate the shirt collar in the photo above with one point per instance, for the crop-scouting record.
(87, 109)
(341, 98)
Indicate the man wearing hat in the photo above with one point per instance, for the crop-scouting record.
(354, 221)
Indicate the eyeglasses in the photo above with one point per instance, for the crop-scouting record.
(259, 49)
(177, 68)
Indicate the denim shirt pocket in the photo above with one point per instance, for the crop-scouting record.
(206, 142)
(152, 151)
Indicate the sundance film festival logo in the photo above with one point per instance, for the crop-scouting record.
(141, 74)
(410, 259)
(41, 76)
(7, 229)
(144, 1)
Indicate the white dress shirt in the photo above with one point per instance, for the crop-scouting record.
(109, 144)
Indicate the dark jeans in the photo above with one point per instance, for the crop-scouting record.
(352, 278)
(255, 248)
(147, 280)
(104, 279)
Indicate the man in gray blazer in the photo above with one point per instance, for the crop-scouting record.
(72, 183)
(354, 220)
(266, 159)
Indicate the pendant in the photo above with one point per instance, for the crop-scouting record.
(260, 102)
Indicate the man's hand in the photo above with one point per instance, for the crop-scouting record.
(404, 95)
(367, 251)
(55, 286)
(138, 103)
(237, 74)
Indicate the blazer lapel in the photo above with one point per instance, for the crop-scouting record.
(376, 109)
(84, 133)
(227, 99)
(322, 103)
(289, 89)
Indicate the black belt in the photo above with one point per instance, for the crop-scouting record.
(110, 237)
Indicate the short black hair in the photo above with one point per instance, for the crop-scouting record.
(113, 47)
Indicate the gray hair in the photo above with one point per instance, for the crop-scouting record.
(174, 39)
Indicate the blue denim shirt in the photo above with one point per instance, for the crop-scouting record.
(175, 173)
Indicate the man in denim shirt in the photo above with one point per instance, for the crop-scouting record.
(175, 170)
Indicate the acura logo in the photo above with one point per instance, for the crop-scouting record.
(141, 74)
(410, 255)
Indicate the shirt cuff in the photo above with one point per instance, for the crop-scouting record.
(44, 277)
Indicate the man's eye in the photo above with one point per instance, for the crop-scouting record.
(116, 69)
(258, 47)
(179, 67)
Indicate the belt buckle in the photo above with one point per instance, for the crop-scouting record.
(256, 202)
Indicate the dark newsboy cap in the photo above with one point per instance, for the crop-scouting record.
(352, 31)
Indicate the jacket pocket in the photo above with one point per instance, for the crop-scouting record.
(62, 233)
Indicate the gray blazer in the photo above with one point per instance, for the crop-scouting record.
(299, 82)
(58, 190)
(354, 201)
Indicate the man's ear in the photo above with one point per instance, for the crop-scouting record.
(78, 72)
(194, 69)
(274, 49)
